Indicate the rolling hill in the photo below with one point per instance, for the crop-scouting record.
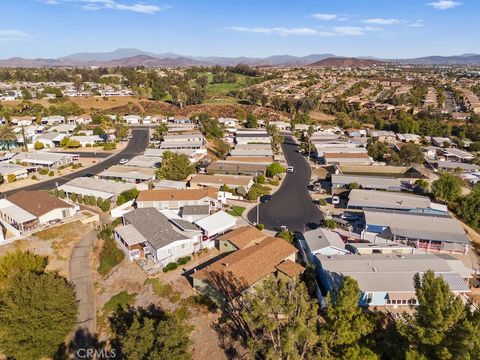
(346, 62)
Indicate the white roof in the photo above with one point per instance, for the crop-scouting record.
(387, 200)
(217, 222)
(15, 212)
(321, 238)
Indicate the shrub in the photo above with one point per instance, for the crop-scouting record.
(34, 177)
(105, 205)
(73, 197)
(51, 173)
(11, 178)
(323, 202)
(274, 182)
(260, 226)
(79, 198)
(56, 192)
(329, 224)
(38, 145)
(88, 145)
(274, 169)
(111, 255)
(92, 200)
(204, 300)
(43, 171)
(170, 266)
(61, 194)
(260, 179)
(184, 260)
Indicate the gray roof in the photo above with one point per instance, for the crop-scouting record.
(185, 225)
(6, 168)
(419, 226)
(454, 165)
(393, 273)
(128, 172)
(90, 183)
(387, 200)
(145, 161)
(251, 152)
(373, 182)
(130, 234)
(196, 210)
(154, 226)
(253, 146)
(321, 238)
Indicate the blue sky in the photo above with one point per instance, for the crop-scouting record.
(382, 28)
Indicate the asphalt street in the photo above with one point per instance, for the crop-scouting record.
(291, 205)
(137, 144)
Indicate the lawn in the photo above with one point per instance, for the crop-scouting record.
(236, 210)
(121, 300)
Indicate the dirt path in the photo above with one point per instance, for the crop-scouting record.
(81, 277)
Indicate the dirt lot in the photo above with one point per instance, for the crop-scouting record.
(56, 243)
(170, 291)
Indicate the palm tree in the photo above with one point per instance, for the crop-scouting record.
(7, 135)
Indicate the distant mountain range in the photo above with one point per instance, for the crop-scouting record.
(135, 57)
(346, 62)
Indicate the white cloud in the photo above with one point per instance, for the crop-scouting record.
(354, 30)
(416, 24)
(382, 21)
(325, 17)
(444, 4)
(139, 7)
(306, 31)
(282, 31)
(7, 36)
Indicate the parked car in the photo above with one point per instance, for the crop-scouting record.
(335, 200)
(265, 198)
(349, 217)
(290, 169)
(123, 161)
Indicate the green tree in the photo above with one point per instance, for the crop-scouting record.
(210, 127)
(151, 334)
(406, 124)
(37, 312)
(175, 166)
(17, 262)
(274, 169)
(251, 121)
(282, 320)
(160, 131)
(7, 136)
(447, 187)
(377, 149)
(411, 154)
(346, 325)
(436, 320)
(469, 208)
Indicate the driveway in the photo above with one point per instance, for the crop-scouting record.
(291, 205)
(137, 144)
(80, 274)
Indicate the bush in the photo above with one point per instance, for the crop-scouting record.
(109, 146)
(51, 173)
(170, 266)
(260, 226)
(184, 260)
(11, 178)
(105, 205)
(38, 145)
(274, 182)
(274, 169)
(34, 177)
(88, 145)
(73, 197)
(260, 179)
(61, 194)
(111, 255)
(43, 171)
(323, 202)
(329, 224)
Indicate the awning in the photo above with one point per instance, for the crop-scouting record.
(401, 296)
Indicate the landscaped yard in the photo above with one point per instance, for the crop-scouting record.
(236, 210)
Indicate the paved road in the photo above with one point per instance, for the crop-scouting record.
(136, 145)
(81, 277)
(291, 205)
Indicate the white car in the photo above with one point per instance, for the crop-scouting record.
(123, 161)
(335, 200)
(290, 169)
